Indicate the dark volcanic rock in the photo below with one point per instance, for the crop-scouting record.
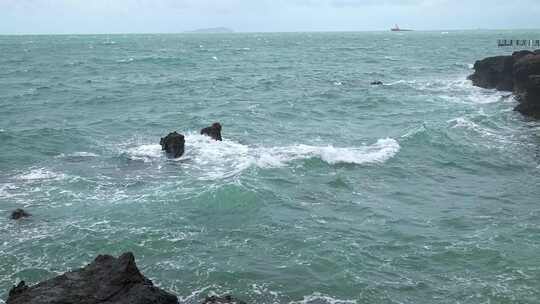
(173, 144)
(222, 300)
(519, 73)
(107, 280)
(214, 131)
(19, 214)
(494, 73)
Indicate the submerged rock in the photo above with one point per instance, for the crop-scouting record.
(214, 131)
(222, 300)
(173, 144)
(519, 73)
(19, 214)
(107, 280)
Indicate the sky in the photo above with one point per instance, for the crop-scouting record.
(174, 16)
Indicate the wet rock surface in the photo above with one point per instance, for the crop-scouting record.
(519, 73)
(18, 214)
(107, 280)
(214, 131)
(173, 144)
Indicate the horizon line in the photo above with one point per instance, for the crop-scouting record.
(193, 32)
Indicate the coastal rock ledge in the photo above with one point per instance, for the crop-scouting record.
(107, 280)
(519, 73)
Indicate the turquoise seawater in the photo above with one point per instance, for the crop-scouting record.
(325, 189)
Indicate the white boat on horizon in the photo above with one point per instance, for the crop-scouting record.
(397, 29)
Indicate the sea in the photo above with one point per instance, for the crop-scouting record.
(325, 190)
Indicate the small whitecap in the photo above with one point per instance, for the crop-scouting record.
(146, 153)
(39, 174)
(379, 152)
(5, 190)
(81, 154)
(318, 298)
(130, 59)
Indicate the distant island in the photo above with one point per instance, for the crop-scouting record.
(213, 30)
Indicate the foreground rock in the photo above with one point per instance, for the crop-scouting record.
(519, 73)
(173, 144)
(214, 131)
(18, 214)
(107, 280)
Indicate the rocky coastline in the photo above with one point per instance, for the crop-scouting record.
(107, 280)
(518, 73)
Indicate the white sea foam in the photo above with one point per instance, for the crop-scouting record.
(379, 152)
(5, 190)
(318, 298)
(130, 59)
(39, 174)
(458, 90)
(146, 153)
(467, 123)
(462, 122)
(218, 159)
(81, 154)
(84, 154)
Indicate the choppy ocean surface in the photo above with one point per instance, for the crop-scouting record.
(325, 189)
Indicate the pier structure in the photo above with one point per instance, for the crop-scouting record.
(518, 43)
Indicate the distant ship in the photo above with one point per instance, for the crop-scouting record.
(397, 29)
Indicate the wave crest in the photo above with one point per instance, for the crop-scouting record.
(226, 158)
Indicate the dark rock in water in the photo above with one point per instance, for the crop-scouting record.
(173, 144)
(376, 83)
(494, 73)
(107, 280)
(528, 95)
(222, 300)
(214, 131)
(17, 290)
(526, 74)
(19, 214)
(519, 73)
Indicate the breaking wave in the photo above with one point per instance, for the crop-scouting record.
(229, 157)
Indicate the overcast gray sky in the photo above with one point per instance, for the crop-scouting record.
(172, 16)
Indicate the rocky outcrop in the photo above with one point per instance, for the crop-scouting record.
(107, 280)
(494, 73)
(173, 144)
(519, 73)
(214, 131)
(527, 84)
(18, 214)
